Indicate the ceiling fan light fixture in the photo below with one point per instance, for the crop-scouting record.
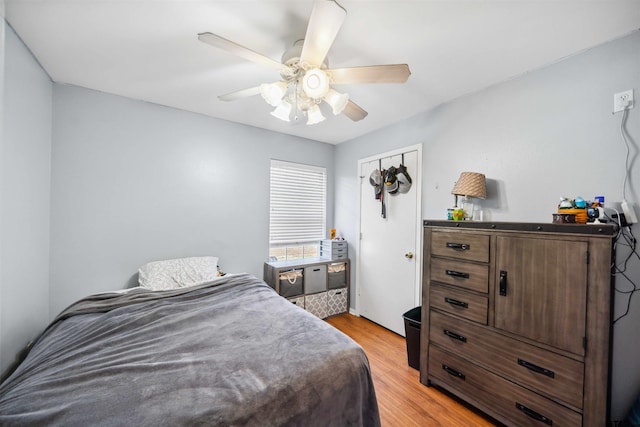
(282, 111)
(305, 74)
(314, 115)
(273, 92)
(315, 83)
(338, 101)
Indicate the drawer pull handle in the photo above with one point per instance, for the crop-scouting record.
(533, 414)
(454, 335)
(456, 302)
(459, 246)
(457, 274)
(453, 372)
(503, 283)
(536, 368)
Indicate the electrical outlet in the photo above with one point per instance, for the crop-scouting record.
(623, 101)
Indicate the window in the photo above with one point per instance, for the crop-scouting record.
(297, 219)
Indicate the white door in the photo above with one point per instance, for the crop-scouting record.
(388, 266)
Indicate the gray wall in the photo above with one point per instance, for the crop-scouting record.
(25, 158)
(547, 134)
(134, 182)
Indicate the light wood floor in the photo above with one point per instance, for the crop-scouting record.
(402, 399)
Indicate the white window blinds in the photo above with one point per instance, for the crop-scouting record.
(298, 203)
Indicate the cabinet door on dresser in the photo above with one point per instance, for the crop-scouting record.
(541, 290)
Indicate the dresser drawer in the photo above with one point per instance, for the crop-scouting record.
(554, 375)
(333, 244)
(334, 254)
(502, 399)
(460, 273)
(466, 246)
(465, 304)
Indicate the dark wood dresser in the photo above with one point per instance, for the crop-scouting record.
(516, 319)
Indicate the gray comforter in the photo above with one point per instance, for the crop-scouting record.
(228, 353)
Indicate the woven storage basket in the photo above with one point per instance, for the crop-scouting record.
(581, 214)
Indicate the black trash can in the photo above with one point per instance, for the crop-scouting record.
(412, 322)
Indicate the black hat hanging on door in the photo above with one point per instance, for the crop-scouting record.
(397, 180)
(390, 180)
(403, 178)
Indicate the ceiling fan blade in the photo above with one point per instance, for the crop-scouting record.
(236, 49)
(326, 19)
(244, 93)
(393, 73)
(354, 111)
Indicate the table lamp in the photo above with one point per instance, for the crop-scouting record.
(470, 184)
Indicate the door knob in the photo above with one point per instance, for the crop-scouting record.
(409, 255)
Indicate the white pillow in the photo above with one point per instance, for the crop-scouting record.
(178, 273)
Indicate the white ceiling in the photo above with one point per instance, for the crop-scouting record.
(149, 50)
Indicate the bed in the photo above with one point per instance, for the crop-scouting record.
(227, 352)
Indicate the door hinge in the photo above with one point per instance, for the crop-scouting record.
(587, 258)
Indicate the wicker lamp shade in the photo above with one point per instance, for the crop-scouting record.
(471, 184)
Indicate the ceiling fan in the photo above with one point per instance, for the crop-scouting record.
(305, 78)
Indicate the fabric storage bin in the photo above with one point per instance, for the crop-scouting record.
(315, 279)
(336, 301)
(299, 301)
(337, 275)
(316, 304)
(291, 283)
